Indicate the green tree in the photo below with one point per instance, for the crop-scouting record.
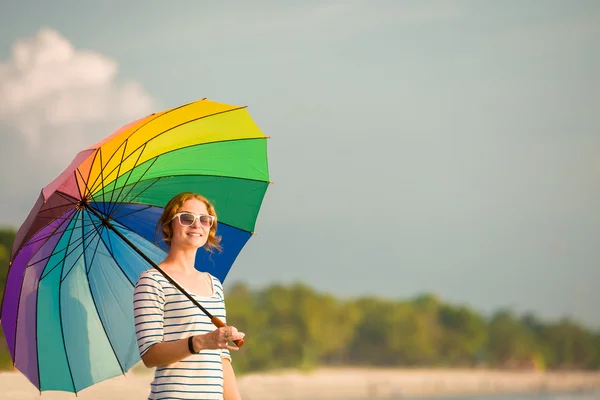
(573, 346)
(509, 342)
(394, 334)
(464, 336)
(243, 313)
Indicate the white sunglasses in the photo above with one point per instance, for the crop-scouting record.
(188, 219)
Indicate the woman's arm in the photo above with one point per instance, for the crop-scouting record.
(165, 353)
(230, 388)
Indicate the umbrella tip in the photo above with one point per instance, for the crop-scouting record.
(271, 182)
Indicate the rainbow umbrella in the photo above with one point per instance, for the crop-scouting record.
(67, 311)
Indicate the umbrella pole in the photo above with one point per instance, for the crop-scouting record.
(215, 320)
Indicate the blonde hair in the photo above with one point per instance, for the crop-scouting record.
(173, 206)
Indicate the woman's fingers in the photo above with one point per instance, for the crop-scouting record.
(237, 336)
(230, 333)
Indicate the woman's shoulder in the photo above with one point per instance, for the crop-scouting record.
(151, 277)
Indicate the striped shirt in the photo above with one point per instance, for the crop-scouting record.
(163, 314)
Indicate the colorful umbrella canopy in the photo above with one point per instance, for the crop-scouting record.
(67, 311)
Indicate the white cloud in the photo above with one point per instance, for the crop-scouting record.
(47, 84)
(55, 100)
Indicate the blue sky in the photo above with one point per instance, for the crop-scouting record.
(417, 146)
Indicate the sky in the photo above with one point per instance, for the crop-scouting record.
(447, 147)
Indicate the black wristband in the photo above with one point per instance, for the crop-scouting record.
(191, 345)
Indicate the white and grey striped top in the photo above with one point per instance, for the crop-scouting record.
(162, 313)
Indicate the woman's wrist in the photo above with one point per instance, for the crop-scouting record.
(198, 343)
(191, 347)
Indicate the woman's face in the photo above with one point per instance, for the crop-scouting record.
(195, 235)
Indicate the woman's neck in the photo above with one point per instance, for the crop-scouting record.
(181, 260)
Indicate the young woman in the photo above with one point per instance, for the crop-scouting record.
(191, 355)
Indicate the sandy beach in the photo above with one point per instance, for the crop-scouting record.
(335, 383)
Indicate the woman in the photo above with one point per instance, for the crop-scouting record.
(190, 354)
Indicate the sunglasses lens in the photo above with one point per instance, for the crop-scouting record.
(186, 219)
(206, 221)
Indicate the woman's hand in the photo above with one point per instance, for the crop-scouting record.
(218, 339)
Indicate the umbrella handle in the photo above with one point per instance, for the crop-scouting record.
(219, 324)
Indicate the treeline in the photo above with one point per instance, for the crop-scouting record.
(296, 327)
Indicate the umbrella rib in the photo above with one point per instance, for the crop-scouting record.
(68, 197)
(56, 218)
(29, 265)
(45, 210)
(88, 188)
(44, 274)
(103, 167)
(82, 240)
(118, 174)
(96, 306)
(109, 249)
(119, 205)
(87, 191)
(51, 234)
(120, 163)
(147, 206)
(29, 242)
(128, 227)
(27, 237)
(99, 234)
(176, 126)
